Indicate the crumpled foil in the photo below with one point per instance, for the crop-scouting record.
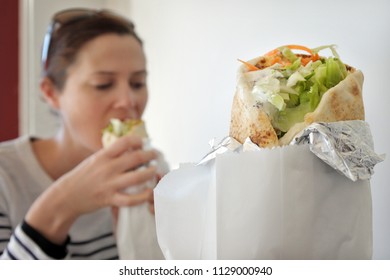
(347, 146)
(226, 144)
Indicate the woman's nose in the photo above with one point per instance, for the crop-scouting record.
(126, 98)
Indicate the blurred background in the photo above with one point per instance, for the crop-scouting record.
(192, 48)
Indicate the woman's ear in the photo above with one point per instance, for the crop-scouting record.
(50, 93)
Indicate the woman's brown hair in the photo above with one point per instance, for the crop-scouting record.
(64, 39)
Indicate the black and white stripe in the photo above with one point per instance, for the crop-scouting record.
(5, 232)
(22, 247)
(22, 244)
(99, 247)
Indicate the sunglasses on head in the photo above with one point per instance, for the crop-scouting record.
(72, 15)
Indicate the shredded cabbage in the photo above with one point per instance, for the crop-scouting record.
(295, 89)
(120, 128)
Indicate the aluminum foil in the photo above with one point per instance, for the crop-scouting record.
(227, 144)
(346, 146)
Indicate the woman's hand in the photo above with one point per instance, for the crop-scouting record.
(95, 183)
(102, 177)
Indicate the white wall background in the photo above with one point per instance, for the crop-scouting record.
(192, 48)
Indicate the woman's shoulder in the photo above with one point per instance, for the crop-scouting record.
(21, 180)
(11, 150)
(17, 160)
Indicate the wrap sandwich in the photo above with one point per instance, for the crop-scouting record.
(117, 128)
(282, 92)
(136, 227)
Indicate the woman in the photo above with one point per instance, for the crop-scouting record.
(56, 193)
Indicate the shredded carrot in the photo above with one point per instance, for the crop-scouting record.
(276, 59)
(250, 67)
(272, 53)
(313, 57)
(299, 47)
(305, 60)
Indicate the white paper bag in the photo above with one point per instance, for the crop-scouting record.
(136, 228)
(283, 203)
(136, 234)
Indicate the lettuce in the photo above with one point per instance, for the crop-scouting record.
(120, 128)
(295, 90)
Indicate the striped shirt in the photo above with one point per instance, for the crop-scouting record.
(22, 180)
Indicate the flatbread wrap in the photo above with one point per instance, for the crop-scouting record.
(117, 128)
(136, 227)
(282, 92)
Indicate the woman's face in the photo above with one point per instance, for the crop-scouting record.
(107, 80)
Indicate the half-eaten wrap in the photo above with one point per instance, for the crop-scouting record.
(136, 228)
(282, 92)
(118, 128)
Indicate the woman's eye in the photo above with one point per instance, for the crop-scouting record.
(104, 86)
(137, 85)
